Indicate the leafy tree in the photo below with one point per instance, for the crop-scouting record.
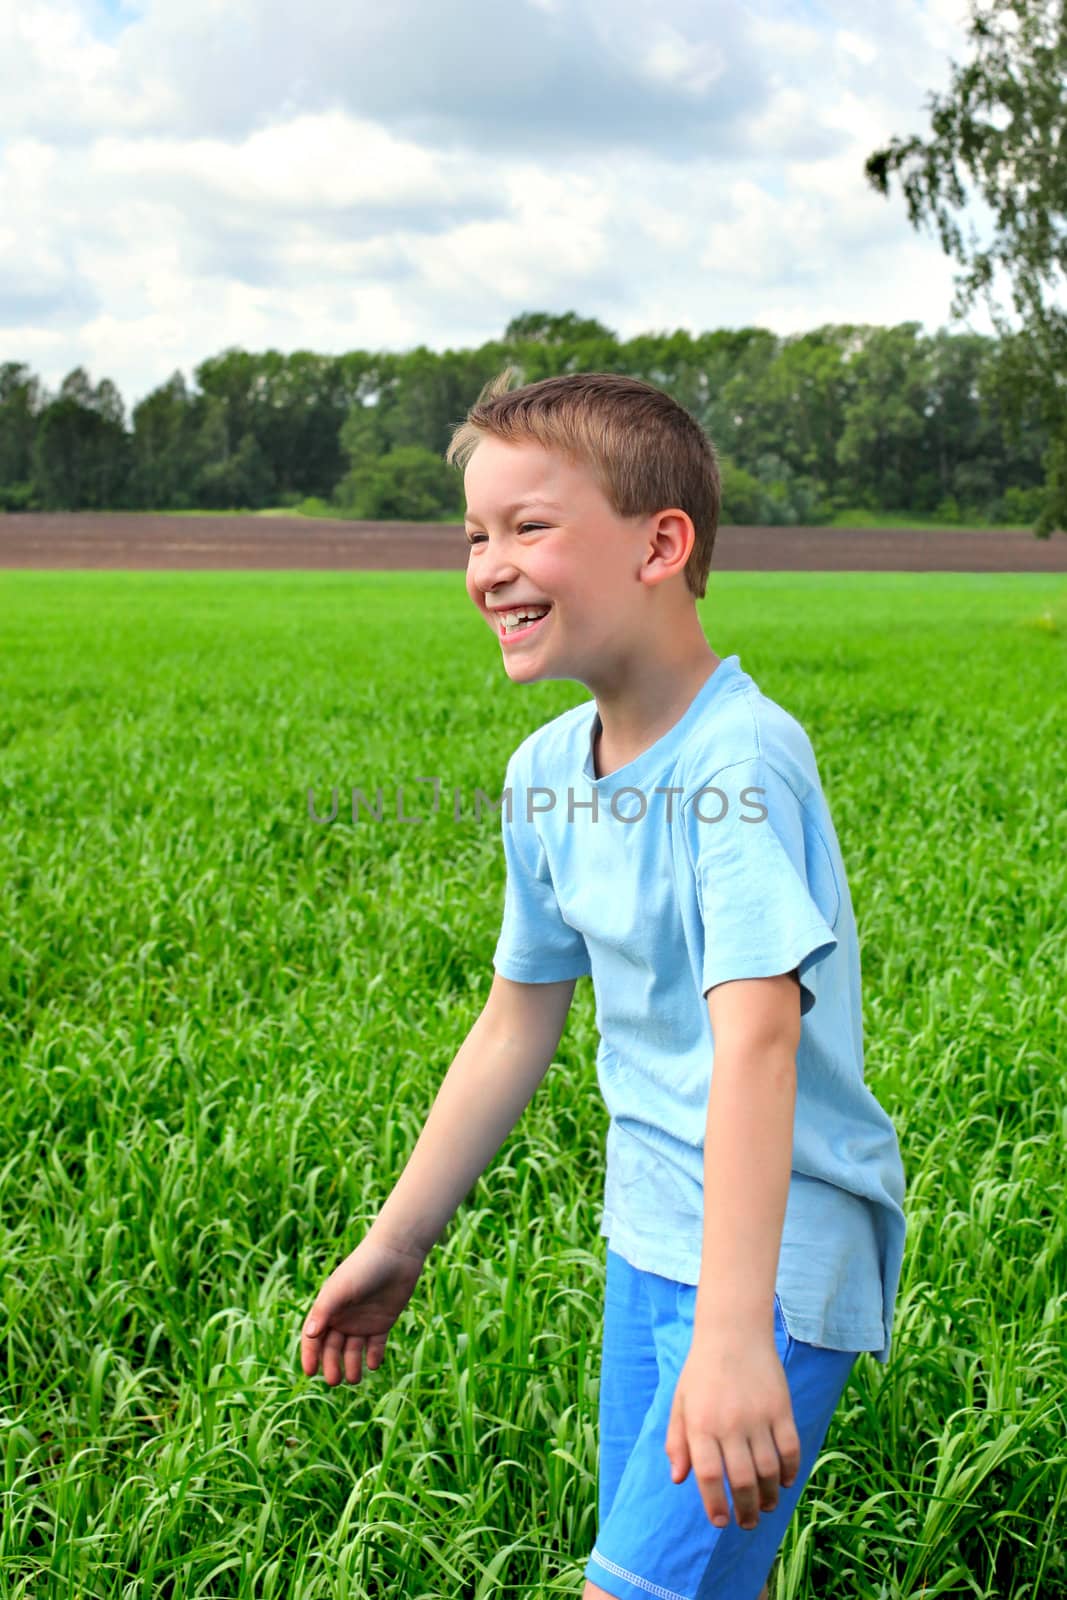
(81, 453)
(543, 344)
(163, 451)
(232, 380)
(882, 440)
(737, 365)
(250, 479)
(672, 361)
(108, 402)
(20, 403)
(999, 129)
(411, 484)
(1008, 388)
(802, 399)
(741, 495)
(301, 401)
(559, 330)
(362, 436)
(231, 476)
(426, 398)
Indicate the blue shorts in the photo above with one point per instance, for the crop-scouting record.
(654, 1536)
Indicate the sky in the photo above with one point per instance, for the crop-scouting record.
(181, 176)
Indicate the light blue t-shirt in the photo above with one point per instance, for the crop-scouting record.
(710, 856)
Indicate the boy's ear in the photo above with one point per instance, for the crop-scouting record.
(671, 537)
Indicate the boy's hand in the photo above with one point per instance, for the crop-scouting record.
(732, 1414)
(355, 1309)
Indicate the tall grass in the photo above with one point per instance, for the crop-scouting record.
(222, 1025)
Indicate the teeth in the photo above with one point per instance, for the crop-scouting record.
(514, 619)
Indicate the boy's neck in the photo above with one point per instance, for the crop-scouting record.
(646, 701)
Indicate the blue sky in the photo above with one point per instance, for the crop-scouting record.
(106, 18)
(180, 175)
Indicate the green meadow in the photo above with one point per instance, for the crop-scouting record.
(222, 1024)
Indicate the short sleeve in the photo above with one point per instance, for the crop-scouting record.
(536, 944)
(765, 883)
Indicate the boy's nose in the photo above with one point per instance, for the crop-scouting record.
(495, 575)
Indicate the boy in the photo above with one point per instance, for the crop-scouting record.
(670, 839)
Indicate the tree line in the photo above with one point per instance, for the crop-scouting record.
(884, 419)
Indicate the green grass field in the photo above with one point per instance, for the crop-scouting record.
(222, 1025)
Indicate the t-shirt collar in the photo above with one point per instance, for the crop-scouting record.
(659, 755)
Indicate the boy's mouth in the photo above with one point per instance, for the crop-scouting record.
(520, 623)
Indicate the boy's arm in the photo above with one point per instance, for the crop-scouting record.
(482, 1096)
(748, 1150)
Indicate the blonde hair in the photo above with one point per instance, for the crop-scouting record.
(646, 451)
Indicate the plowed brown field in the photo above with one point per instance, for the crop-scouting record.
(146, 542)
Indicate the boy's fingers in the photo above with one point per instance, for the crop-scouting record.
(787, 1441)
(353, 1359)
(331, 1356)
(765, 1455)
(309, 1349)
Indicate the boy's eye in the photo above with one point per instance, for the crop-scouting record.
(476, 538)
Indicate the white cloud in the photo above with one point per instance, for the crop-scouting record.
(328, 162)
(692, 67)
(209, 174)
(854, 44)
(555, 229)
(57, 79)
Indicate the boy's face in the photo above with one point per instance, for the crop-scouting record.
(541, 532)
